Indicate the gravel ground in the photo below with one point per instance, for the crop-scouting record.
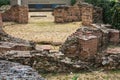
(95, 75)
(41, 29)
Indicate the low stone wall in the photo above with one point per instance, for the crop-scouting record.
(86, 49)
(17, 14)
(47, 62)
(83, 11)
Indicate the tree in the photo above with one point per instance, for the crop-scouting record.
(4, 2)
(73, 2)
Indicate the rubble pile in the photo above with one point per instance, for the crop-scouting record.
(16, 71)
(5, 7)
(78, 12)
(16, 13)
(110, 59)
(45, 62)
(52, 61)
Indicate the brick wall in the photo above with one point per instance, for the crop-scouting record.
(87, 51)
(91, 14)
(1, 23)
(88, 13)
(16, 13)
(67, 14)
(86, 42)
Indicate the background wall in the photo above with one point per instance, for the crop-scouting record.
(49, 1)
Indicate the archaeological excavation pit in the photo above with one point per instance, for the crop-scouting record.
(87, 48)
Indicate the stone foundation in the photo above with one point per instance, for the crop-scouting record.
(17, 14)
(47, 62)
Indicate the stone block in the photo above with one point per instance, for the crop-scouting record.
(1, 23)
(64, 14)
(114, 36)
(17, 14)
(89, 47)
(91, 14)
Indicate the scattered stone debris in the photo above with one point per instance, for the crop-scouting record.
(45, 62)
(16, 71)
(5, 7)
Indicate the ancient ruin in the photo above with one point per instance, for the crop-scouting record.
(15, 71)
(78, 12)
(16, 13)
(86, 49)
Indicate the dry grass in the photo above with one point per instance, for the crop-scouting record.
(41, 29)
(96, 75)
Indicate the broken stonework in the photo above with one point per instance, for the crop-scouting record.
(85, 43)
(64, 14)
(88, 41)
(16, 13)
(79, 45)
(46, 62)
(110, 59)
(78, 12)
(94, 16)
(114, 36)
(7, 46)
(16, 71)
(88, 51)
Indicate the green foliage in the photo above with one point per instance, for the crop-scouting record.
(73, 2)
(4, 2)
(111, 11)
(75, 77)
(116, 16)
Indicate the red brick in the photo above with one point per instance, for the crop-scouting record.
(114, 36)
(1, 23)
(16, 13)
(89, 47)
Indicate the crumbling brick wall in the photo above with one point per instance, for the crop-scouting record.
(91, 14)
(86, 42)
(1, 23)
(64, 14)
(17, 14)
(83, 11)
